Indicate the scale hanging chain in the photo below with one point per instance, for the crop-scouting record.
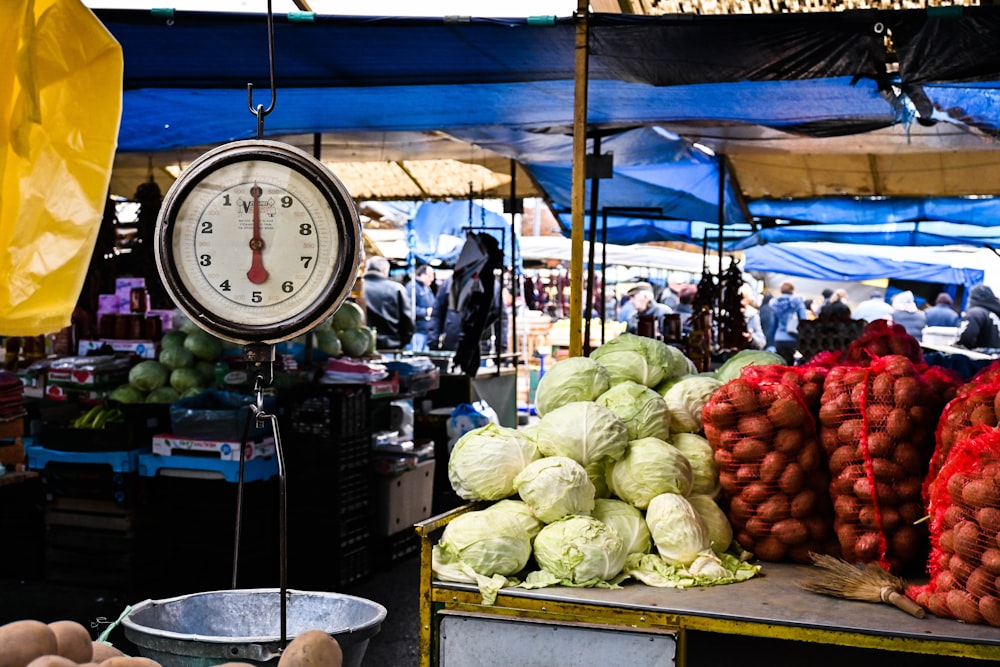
(259, 111)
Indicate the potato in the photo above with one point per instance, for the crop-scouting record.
(52, 661)
(125, 661)
(104, 651)
(73, 641)
(964, 607)
(981, 493)
(312, 648)
(989, 608)
(23, 641)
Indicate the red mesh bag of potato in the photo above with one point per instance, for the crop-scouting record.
(878, 437)
(881, 338)
(989, 374)
(807, 379)
(771, 470)
(964, 510)
(977, 405)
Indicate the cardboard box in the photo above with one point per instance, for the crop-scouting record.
(166, 444)
(145, 349)
(403, 500)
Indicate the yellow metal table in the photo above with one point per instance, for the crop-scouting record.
(771, 606)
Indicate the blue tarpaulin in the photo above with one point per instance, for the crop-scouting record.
(509, 85)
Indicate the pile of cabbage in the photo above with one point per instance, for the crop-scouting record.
(614, 481)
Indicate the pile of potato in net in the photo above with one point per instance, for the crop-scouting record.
(868, 420)
(962, 497)
(772, 471)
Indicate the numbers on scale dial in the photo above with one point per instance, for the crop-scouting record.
(250, 226)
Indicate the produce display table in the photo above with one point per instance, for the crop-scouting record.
(771, 605)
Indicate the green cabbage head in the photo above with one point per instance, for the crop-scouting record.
(720, 531)
(485, 461)
(685, 398)
(579, 551)
(572, 379)
(730, 369)
(520, 511)
(555, 486)
(643, 411)
(650, 467)
(678, 531)
(484, 548)
(584, 431)
(628, 521)
(701, 456)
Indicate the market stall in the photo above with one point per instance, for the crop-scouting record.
(587, 626)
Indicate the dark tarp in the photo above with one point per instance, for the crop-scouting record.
(509, 84)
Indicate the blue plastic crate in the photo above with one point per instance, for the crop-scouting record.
(263, 468)
(119, 461)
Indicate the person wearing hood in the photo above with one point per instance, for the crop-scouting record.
(980, 325)
(789, 309)
(906, 314)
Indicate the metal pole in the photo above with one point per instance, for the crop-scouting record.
(579, 180)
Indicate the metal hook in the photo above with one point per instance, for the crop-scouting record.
(259, 110)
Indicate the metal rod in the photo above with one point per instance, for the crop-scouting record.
(259, 110)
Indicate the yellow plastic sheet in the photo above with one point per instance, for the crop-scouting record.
(60, 107)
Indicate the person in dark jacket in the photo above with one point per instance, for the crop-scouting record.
(836, 308)
(980, 325)
(423, 309)
(942, 313)
(387, 306)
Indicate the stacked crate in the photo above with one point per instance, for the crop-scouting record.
(191, 510)
(92, 521)
(326, 439)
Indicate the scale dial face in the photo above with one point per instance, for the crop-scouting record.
(258, 241)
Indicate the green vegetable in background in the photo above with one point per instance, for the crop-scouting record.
(650, 467)
(583, 431)
(555, 486)
(730, 369)
(643, 411)
(176, 356)
(203, 345)
(686, 398)
(485, 461)
(126, 393)
(569, 380)
(182, 379)
(356, 342)
(348, 315)
(148, 375)
(163, 395)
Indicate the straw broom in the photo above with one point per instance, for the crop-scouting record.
(868, 584)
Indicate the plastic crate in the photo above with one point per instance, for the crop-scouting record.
(199, 467)
(105, 476)
(325, 410)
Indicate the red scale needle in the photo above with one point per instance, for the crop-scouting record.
(257, 273)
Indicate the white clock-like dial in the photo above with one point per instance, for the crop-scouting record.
(258, 242)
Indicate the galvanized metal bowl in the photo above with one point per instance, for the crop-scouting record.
(244, 625)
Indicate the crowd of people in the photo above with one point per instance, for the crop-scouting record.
(977, 327)
(772, 319)
(428, 323)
